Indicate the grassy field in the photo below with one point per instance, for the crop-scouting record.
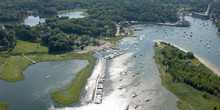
(72, 93)
(11, 68)
(12, 64)
(3, 106)
(29, 47)
(190, 98)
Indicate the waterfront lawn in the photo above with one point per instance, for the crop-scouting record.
(190, 98)
(11, 68)
(72, 93)
(3, 106)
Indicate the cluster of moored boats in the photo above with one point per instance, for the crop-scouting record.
(113, 55)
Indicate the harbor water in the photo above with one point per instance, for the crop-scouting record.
(132, 79)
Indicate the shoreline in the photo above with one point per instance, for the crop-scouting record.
(87, 49)
(201, 59)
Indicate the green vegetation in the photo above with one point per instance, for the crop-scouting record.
(146, 10)
(3, 106)
(114, 39)
(13, 63)
(74, 10)
(29, 47)
(6, 39)
(72, 93)
(215, 13)
(85, 26)
(62, 34)
(12, 67)
(191, 96)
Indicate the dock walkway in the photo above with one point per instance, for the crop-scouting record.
(29, 59)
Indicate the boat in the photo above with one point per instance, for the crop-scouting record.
(136, 106)
(47, 76)
(136, 84)
(133, 75)
(120, 88)
(147, 100)
(127, 107)
(134, 95)
(138, 29)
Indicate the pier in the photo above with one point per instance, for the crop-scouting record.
(99, 82)
(98, 95)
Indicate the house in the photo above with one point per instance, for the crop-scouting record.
(3, 48)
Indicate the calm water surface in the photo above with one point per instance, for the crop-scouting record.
(33, 21)
(33, 93)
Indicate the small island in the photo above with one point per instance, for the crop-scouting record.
(3, 106)
(183, 74)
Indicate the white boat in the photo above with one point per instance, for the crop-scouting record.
(120, 88)
(47, 76)
(136, 84)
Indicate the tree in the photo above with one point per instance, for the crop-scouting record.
(189, 55)
(3, 34)
(4, 42)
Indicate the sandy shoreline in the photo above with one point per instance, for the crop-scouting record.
(201, 59)
(105, 45)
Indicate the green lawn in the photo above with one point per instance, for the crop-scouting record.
(29, 47)
(3, 106)
(9, 68)
(190, 98)
(72, 93)
(12, 63)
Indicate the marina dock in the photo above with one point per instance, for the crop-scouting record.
(98, 95)
(99, 82)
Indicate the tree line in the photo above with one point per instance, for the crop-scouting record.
(61, 34)
(183, 68)
(115, 10)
